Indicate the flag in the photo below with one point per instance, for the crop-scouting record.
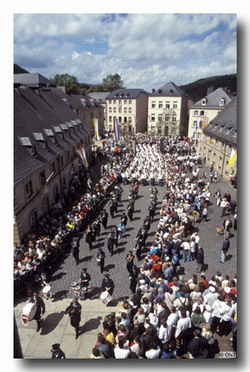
(233, 158)
(96, 128)
(116, 130)
(82, 153)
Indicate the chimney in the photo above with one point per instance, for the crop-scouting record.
(153, 90)
(210, 90)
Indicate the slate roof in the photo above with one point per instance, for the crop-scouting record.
(99, 96)
(34, 113)
(123, 93)
(169, 89)
(224, 125)
(213, 99)
(32, 80)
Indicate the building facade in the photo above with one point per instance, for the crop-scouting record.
(47, 134)
(205, 110)
(167, 111)
(219, 143)
(100, 97)
(129, 106)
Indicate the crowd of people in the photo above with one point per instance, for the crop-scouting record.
(168, 316)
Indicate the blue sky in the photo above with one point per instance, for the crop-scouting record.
(147, 50)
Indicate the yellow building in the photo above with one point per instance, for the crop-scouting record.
(167, 111)
(219, 143)
(129, 106)
(206, 109)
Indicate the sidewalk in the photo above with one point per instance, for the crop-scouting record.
(57, 329)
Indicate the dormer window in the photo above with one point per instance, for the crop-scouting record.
(25, 141)
(160, 91)
(222, 102)
(171, 92)
(204, 102)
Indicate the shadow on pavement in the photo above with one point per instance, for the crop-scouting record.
(51, 322)
(91, 324)
(60, 295)
(57, 276)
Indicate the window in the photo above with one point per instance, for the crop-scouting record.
(125, 119)
(174, 118)
(196, 112)
(160, 104)
(195, 124)
(29, 189)
(53, 167)
(46, 206)
(42, 177)
(160, 117)
(204, 102)
(110, 101)
(110, 119)
(202, 113)
(152, 117)
(175, 104)
(61, 161)
(153, 104)
(167, 104)
(130, 102)
(166, 117)
(222, 102)
(120, 101)
(114, 101)
(130, 110)
(92, 115)
(125, 102)
(110, 109)
(114, 109)
(130, 119)
(33, 219)
(125, 110)
(120, 119)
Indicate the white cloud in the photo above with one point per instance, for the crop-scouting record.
(147, 50)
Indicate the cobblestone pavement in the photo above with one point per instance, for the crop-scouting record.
(93, 311)
(116, 265)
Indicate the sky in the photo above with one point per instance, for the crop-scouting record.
(146, 49)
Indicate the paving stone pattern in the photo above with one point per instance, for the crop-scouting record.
(116, 265)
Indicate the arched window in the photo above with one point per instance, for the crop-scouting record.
(45, 206)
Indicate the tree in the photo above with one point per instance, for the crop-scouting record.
(112, 82)
(70, 82)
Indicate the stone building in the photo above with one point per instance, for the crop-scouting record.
(167, 111)
(220, 141)
(47, 134)
(129, 106)
(204, 110)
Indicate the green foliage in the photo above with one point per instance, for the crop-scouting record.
(109, 83)
(198, 89)
(112, 82)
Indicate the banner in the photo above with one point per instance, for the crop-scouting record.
(116, 130)
(82, 153)
(96, 129)
(233, 158)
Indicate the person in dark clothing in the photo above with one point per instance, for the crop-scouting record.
(75, 246)
(108, 284)
(90, 236)
(124, 219)
(100, 258)
(224, 249)
(57, 353)
(139, 246)
(109, 323)
(74, 311)
(130, 213)
(104, 346)
(130, 261)
(96, 226)
(104, 219)
(133, 277)
(40, 309)
(151, 209)
(112, 208)
(111, 242)
(198, 346)
(85, 278)
(200, 259)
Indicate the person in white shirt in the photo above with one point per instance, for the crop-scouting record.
(173, 317)
(153, 352)
(164, 331)
(120, 351)
(183, 323)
